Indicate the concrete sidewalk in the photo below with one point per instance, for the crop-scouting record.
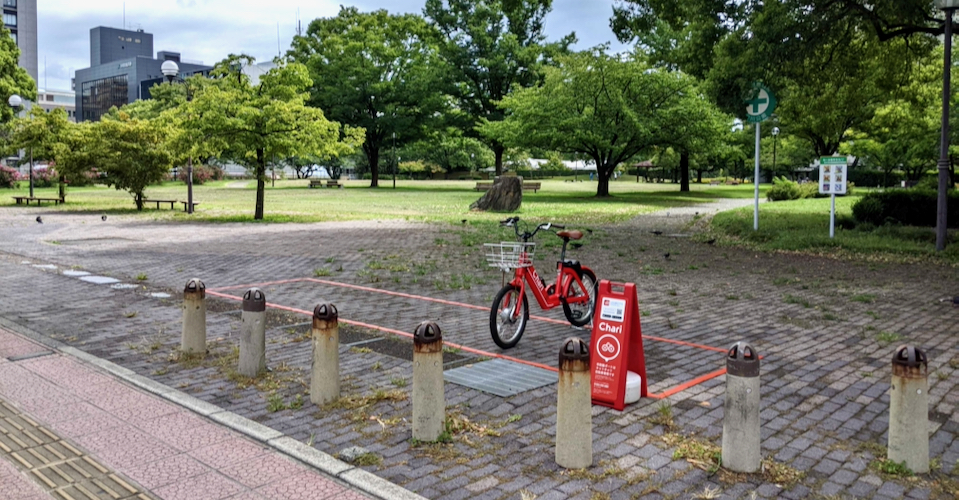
(72, 430)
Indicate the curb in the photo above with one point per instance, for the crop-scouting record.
(360, 479)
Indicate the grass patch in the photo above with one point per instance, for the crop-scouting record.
(885, 337)
(663, 415)
(426, 201)
(142, 277)
(865, 298)
(803, 226)
(792, 299)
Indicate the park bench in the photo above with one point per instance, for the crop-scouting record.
(158, 202)
(714, 183)
(333, 184)
(484, 186)
(185, 203)
(28, 199)
(315, 183)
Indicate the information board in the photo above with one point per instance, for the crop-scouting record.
(616, 345)
(833, 174)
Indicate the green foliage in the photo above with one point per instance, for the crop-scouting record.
(912, 207)
(785, 189)
(374, 71)
(131, 152)
(13, 78)
(491, 48)
(250, 123)
(201, 174)
(609, 109)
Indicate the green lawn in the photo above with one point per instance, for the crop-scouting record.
(803, 225)
(293, 201)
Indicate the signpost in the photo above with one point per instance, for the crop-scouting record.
(833, 175)
(617, 344)
(758, 108)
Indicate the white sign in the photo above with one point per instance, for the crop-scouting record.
(832, 178)
(613, 310)
(608, 348)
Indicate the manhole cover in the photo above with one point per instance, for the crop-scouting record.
(501, 377)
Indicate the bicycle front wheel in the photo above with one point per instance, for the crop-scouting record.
(508, 316)
(581, 313)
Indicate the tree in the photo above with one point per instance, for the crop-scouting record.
(252, 123)
(14, 80)
(130, 151)
(375, 71)
(40, 133)
(451, 151)
(609, 109)
(491, 48)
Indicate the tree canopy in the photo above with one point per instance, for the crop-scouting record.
(492, 47)
(250, 123)
(609, 109)
(14, 80)
(376, 71)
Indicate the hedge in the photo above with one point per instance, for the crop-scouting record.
(912, 207)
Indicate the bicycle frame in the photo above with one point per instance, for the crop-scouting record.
(565, 276)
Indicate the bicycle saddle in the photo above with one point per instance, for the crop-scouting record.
(570, 235)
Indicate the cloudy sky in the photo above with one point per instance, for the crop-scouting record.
(208, 30)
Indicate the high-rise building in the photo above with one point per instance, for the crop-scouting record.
(20, 17)
(122, 70)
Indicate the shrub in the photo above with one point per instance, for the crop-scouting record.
(9, 178)
(44, 177)
(201, 174)
(912, 207)
(784, 189)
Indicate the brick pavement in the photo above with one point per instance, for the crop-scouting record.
(827, 329)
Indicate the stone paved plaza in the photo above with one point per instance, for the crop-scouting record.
(827, 330)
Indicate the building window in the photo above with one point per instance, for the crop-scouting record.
(98, 96)
(14, 36)
(9, 19)
(10, 3)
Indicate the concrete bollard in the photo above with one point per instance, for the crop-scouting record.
(429, 402)
(741, 422)
(193, 338)
(909, 410)
(574, 407)
(325, 368)
(253, 334)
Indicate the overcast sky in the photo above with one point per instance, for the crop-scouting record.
(209, 30)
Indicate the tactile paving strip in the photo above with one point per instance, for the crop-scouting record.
(56, 465)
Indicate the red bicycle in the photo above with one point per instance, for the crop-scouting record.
(574, 289)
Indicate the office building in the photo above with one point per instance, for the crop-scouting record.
(20, 17)
(122, 70)
(50, 100)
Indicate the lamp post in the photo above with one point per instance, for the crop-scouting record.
(775, 143)
(949, 7)
(16, 102)
(171, 71)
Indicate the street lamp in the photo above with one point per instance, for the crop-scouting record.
(171, 70)
(949, 7)
(775, 143)
(16, 102)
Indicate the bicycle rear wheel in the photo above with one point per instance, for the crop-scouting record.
(506, 322)
(581, 313)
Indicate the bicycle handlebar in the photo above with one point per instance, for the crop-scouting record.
(526, 235)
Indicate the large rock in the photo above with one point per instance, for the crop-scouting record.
(506, 195)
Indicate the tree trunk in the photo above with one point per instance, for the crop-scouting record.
(260, 183)
(138, 199)
(63, 188)
(603, 173)
(684, 172)
(373, 158)
(498, 150)
(699, 177)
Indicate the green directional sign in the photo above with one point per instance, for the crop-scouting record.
(832, 160)
(761, 104)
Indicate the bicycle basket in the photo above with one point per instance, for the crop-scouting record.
(510, 254)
